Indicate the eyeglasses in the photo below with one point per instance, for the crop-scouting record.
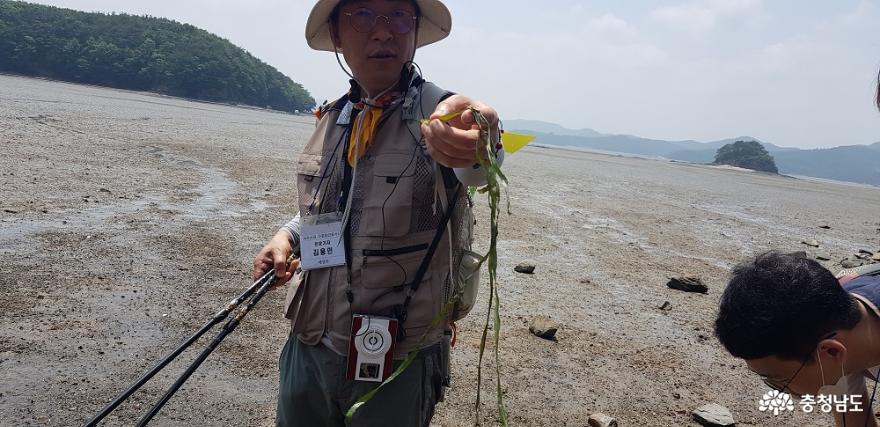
(770, 383)
(363, 20)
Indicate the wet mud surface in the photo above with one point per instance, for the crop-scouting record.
(127, 220)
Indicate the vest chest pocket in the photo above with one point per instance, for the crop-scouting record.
(308, 178)
(388, 268)
(386, 276)
(387, 208)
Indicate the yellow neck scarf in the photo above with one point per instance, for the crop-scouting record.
(363, 133)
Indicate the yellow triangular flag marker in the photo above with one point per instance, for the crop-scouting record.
(514, 142)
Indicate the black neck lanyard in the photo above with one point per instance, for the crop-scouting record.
(324, 174)
(347, 180)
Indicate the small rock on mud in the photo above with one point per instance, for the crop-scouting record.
(544, 327)
(688, 284)
(602, 420)
(714, 415)
(525, 268)
(811, 242)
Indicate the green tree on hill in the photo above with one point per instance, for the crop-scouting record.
(141, 53)
(746, 154)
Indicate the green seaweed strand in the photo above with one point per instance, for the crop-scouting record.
(495, 181)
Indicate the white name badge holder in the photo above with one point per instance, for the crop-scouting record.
(321, 241)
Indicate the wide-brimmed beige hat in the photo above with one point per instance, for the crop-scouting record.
(435, 23)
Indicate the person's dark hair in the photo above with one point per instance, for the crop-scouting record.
(877, 98)
(781, 305)
(334, 15)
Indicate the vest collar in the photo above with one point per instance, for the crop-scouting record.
(407, 95)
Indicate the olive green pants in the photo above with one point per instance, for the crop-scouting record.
(314, 390)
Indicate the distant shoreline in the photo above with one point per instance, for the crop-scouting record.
(536, 145)
(707, 165)
(154, 94)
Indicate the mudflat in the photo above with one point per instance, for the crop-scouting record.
(128, 219)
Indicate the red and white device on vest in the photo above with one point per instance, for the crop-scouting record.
(371, 351)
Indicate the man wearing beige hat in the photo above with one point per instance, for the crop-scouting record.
(385, 226)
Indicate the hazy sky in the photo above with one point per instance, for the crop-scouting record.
(792, 72)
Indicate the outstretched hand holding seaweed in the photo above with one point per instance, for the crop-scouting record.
(451, 130)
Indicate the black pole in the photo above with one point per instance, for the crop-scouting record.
(227, 329)
(222, 314)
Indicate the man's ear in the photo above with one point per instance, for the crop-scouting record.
(833, 349)
(334, 34)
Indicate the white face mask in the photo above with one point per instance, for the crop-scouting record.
(840, 388)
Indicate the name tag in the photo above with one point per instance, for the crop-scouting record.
(321, 242)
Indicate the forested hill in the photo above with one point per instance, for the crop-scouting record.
(141, 53)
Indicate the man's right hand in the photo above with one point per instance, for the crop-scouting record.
(274, 255)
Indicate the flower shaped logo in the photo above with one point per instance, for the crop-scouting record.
(776, 402)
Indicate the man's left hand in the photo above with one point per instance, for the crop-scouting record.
(454, 143)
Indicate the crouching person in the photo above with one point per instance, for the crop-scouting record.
(806, 332)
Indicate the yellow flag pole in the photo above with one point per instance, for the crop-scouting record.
(512, 142)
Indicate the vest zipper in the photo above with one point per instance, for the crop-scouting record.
(393, 252)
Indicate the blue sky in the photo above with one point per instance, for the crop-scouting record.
(797, 73)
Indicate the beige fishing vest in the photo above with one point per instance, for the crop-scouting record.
(395, 214)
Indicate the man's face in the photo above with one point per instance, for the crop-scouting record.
(806, 376)
(801, 378)
(376, 55)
